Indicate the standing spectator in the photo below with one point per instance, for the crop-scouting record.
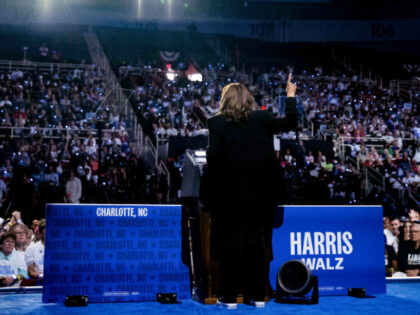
(43, 51)
(409, 255)
(73, 189)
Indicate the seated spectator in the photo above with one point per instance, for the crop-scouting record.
(391, 261)
(22, 241)
(363, 156)
(288, 158)
(373, 156)
(409, 255)
(34, 255)
(395, 182)
(395, 224)
(327, 165)
(9, 275)
(389, 238)
(404, 232)
(320, 158)
(416, 156)
(310, 158)
(408, 179)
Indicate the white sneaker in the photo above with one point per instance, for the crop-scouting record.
(228, 305)
(258, 304)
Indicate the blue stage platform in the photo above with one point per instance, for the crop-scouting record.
(401, 298)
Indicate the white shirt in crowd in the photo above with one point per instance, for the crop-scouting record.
(74, 189)
(389, 237)
(416, 157)
(8, 266)
(35, 255)
(19, 258)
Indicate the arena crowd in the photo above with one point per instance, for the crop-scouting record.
(50, 148)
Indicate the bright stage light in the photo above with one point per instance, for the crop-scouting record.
(169, 9)
(200, 153)
(171, 75)
(195, 77)
(45, 7)
(139, 9)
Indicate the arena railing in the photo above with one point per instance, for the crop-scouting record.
(116, 96)
(150, 148)
(34, 289)
(405, 88)
(55, 133)
(165, 171)
(375, 177)
(377, 142)
(407, 193)
(371, 175)
(43, 67)
(327, 78)
(207, 74)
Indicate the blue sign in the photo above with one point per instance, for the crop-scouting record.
(113, 253)
(342, 245)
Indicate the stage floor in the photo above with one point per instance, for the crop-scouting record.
(401, 298)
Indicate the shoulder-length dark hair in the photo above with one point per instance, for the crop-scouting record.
(236, 102)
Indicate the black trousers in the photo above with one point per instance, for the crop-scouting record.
(241, 238)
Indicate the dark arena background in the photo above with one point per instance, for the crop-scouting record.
(103, 131)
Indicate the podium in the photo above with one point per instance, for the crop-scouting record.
(196, 232)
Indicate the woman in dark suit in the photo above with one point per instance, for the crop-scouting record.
(243, 179)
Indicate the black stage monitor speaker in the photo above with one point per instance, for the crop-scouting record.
(358, 293)
(294, 282)
(167, 298)
(76, 300)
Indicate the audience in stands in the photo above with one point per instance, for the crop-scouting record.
(53, 119)
(55, 157)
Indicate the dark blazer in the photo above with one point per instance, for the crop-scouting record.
(241, 160)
